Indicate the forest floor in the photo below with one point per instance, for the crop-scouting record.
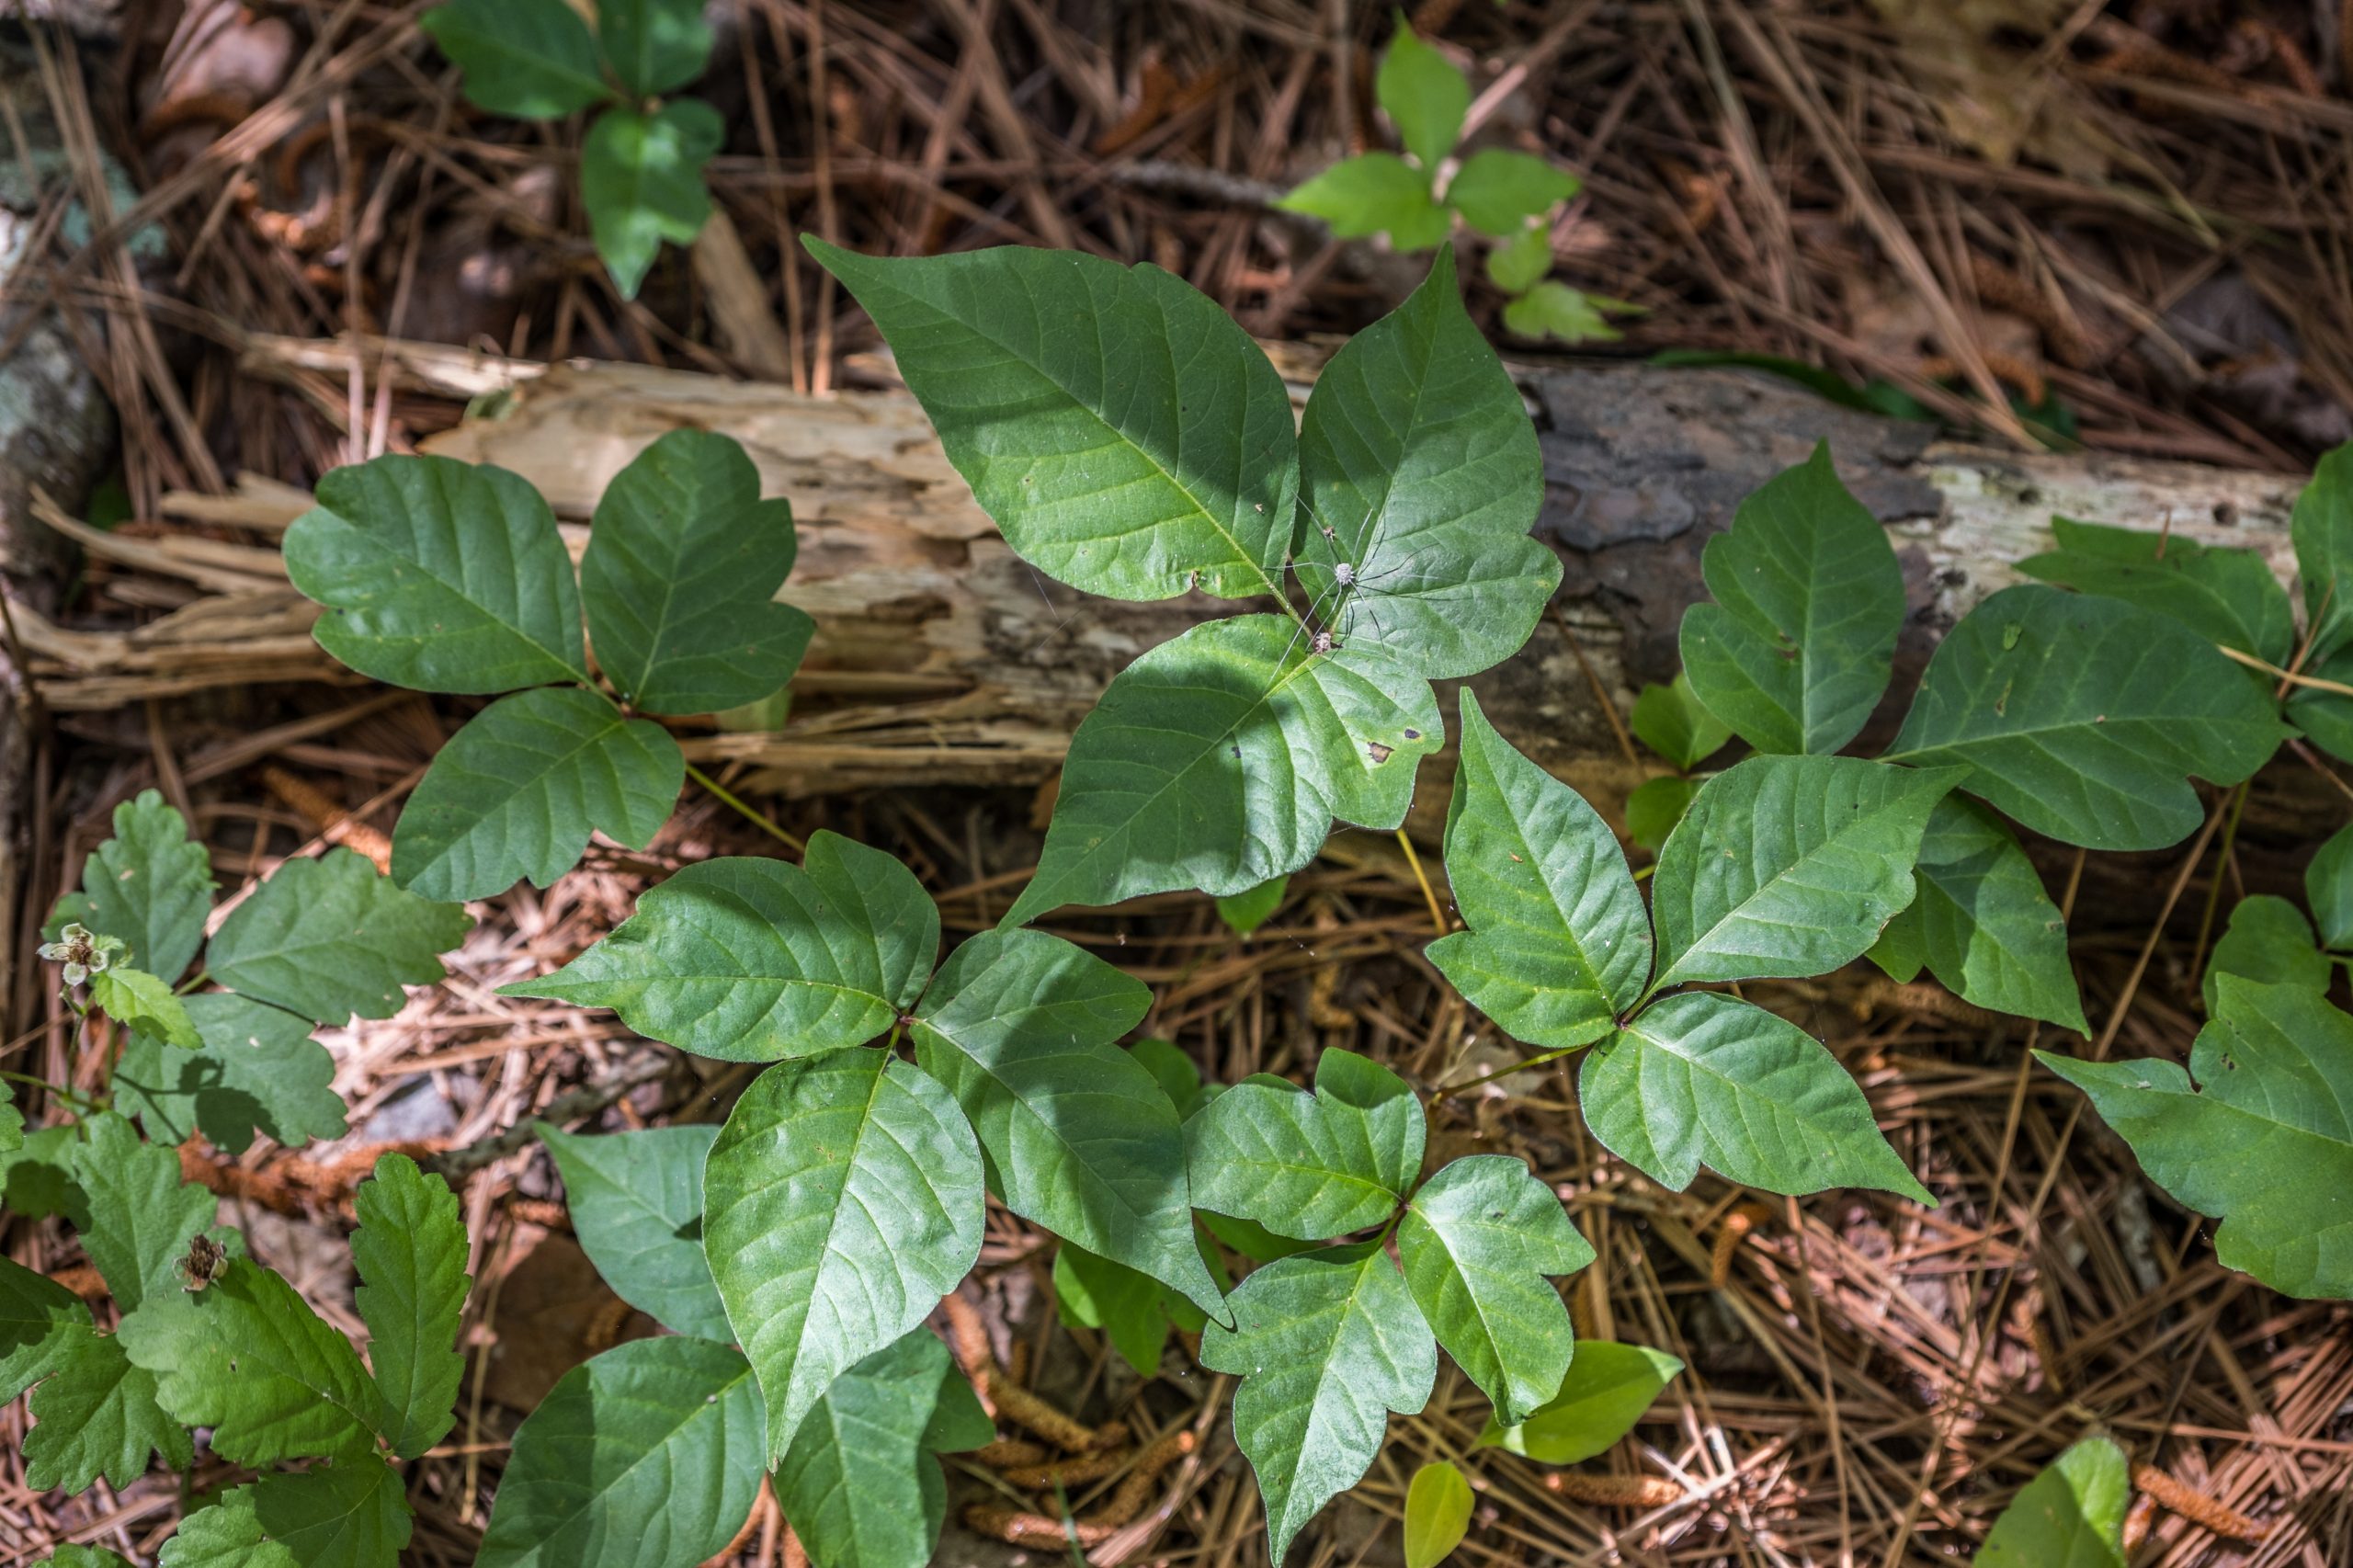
(2135, 214)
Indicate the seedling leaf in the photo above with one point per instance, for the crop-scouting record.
(1374, 193)
(1423, 94)
(1497, 190)
(1437, 1513)
(655, 46)
(527, 59)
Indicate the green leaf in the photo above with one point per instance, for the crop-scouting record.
(525, 59)
(649, 1455)
(1424, 96)
(2328, 888)
(844, 1200)
(141, 1216)
(2070, 1516)
(330, 936)
(516, 792)
(1417, 454)
(352, 1513)
(1673, 722)
(1374, 193)
(642, 181)
(2321, 528)
(1789, 866)
(860, 1484)
(2325, 717)
(681, 575)
(1703, 1078)
(1476, 1243)
(12, 1123)
(1128, 1307)
(141, 1000)
(36, 1178)
(1552, 308)
(1308, 1165)
(1127, 437)
(1251, 1239)
(1323, 1342)
(2270, 941)
(225, 1534)
(1018, 1026)
(259, 1071)
(1795, 651)
(2081, 715)
(410, 1251)
(2225, 595)
(1987, 928)
(1497, 191)
(1221, 758)
(1559, 943)
(752, 960)
(438, 574)
(636, 1203)
(2266, 1144)
(39, 1319)
(655, 46)
(1517, 265)
(1902, 951)
(86, 1557)
(1246, 910)
(1656, 807)
(247, 1357)
(1608, 1388)
(98, 1416)
(1437, 1513)
(149, 886)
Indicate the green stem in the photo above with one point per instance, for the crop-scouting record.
(87, 1106)
(1448, 1090)
(747, 814)
(198, 978)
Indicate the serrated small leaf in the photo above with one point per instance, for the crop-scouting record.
(655, 46)
(2321, 528)
(636, 1204)
(352, 1513)
(1789, 866)
(1030, 365)
(527, 59)
(1552, 308)
(1246, 910)
(148, 885)
(1018, 1026)
(1437, 1513)
(1796, 649)
(12, 1123)
(2069, 1516)
(144, 1002)
(2328, 888)
(247, 1357)
(1308, 1165)
(1517, 265)
(98, 1415)
(1987, 928)
(680, 579)
(38, 1318)
(516, 792)
(139, 1214)
(1654, 808)
(844, 1199)
(86, 1557)
(752, 960)
(1497, 190)
(2228, 596)
(440, 575)
(1478, 1244)
(332, 937)
(1608, 1388)
(410, 1251)
(2082, 715)
(1423, 95)
(1324, 1342)
(1559, 942)
(224, 1534)
(1417, 454)
(259, 1071)
(1223, 757)
(2264, 1143)
(1701, 1078)
(642, 181)
(2270, 941)
(648, 1456)
(37, 1176)
(1374, 193)
(1673, 722)
(860, 1484)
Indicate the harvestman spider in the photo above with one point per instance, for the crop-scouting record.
(1345, 582)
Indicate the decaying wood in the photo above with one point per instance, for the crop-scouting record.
(941, 657)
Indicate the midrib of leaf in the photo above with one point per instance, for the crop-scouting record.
(1326, 1373)
(1462, 1272)
(1388, 480)
(1742, 1095)
(506, 543)
(710, 1407)
(544, 63)
(1575, 940)
(1700, 939)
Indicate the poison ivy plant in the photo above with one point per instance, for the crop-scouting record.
(1607, 1389)
(641, 162)
(1219, 760)
(441, 576)
(1509, 197)
(1437, 1513)
(2070, 1516)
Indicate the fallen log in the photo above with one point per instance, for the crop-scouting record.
(940, 657)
